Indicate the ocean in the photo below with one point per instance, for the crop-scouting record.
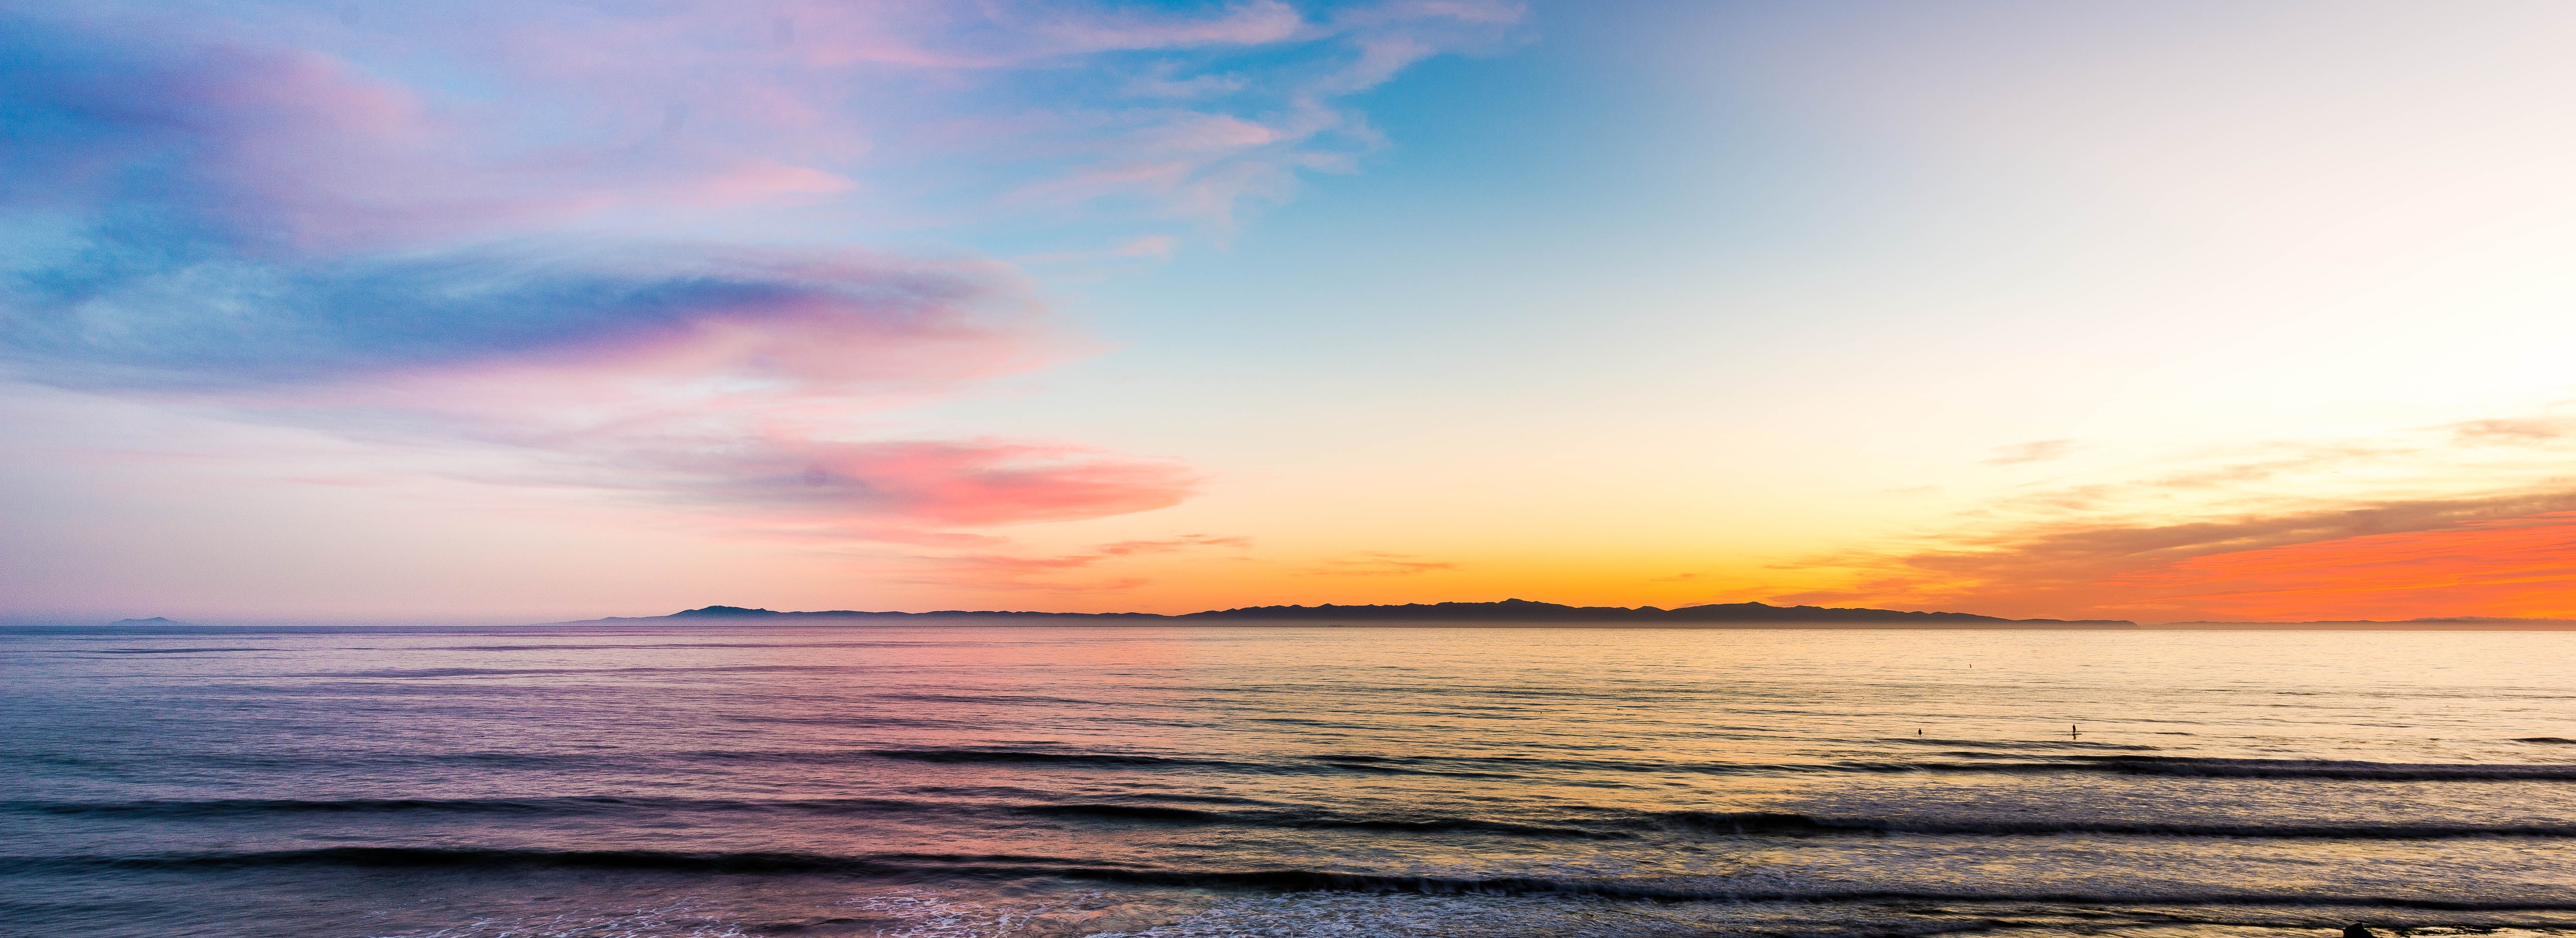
(1282, 781)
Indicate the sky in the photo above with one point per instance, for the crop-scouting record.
(507, 312)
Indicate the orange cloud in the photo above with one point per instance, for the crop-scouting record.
(2496, 556)
(1183, 542)
(2520, 567)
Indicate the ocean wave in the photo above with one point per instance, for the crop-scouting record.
(1971, 761)
(687, 645)
(1765, 822)
(503, 672)
(1299, 819)
(2302, 768)
(1506, 767)
(558, 806)
(1460, 766)
(2187, 767)
(1446, 766)
(1986, 744)
(1399, 765)
(153, 651)
(919, 867)
(1573, 823)
(986, 698)
(597, 806)
(1033, 756)
(475, 858)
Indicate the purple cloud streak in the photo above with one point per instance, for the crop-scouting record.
(461, 228)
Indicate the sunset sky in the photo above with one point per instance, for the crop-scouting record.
(508, 312)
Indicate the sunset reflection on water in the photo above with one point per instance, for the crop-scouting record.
(1640, 776)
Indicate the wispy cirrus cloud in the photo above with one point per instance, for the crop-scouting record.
(850, 486)
(2475, 563)
(1014, 572)
(153, 313)
(459, 229)
(1170, 545)
(2034, 451)
(149, 131)
(2514, 430)
(2448, 519)
(2164, 571)
(1244, 24)
(924, 112)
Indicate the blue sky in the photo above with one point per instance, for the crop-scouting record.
(521, 310)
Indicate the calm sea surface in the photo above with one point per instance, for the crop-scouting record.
(1282, 781)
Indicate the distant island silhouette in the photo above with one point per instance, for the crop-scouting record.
(1506, 612)
(1509, 610)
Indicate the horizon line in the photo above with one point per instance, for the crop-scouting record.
(1750, 613)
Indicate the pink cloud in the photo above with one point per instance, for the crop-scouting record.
(297, 146)
(1257, 23)
(763, 180)
(703, 105)
(1005, 571)
(972, 484)
(759, 411)
(800, 489)
(841, 322)
(1181, 543)
(455, 229)
(829, 82)
(300, 150)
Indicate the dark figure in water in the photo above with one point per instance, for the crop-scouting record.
(2355, 930)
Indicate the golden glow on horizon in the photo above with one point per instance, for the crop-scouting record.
(2514, 568)
(2151, 312)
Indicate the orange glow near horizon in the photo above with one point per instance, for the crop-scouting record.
(2514, 568)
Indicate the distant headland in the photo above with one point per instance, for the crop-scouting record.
(1509, 611)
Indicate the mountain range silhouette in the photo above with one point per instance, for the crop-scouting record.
(1509, 610)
